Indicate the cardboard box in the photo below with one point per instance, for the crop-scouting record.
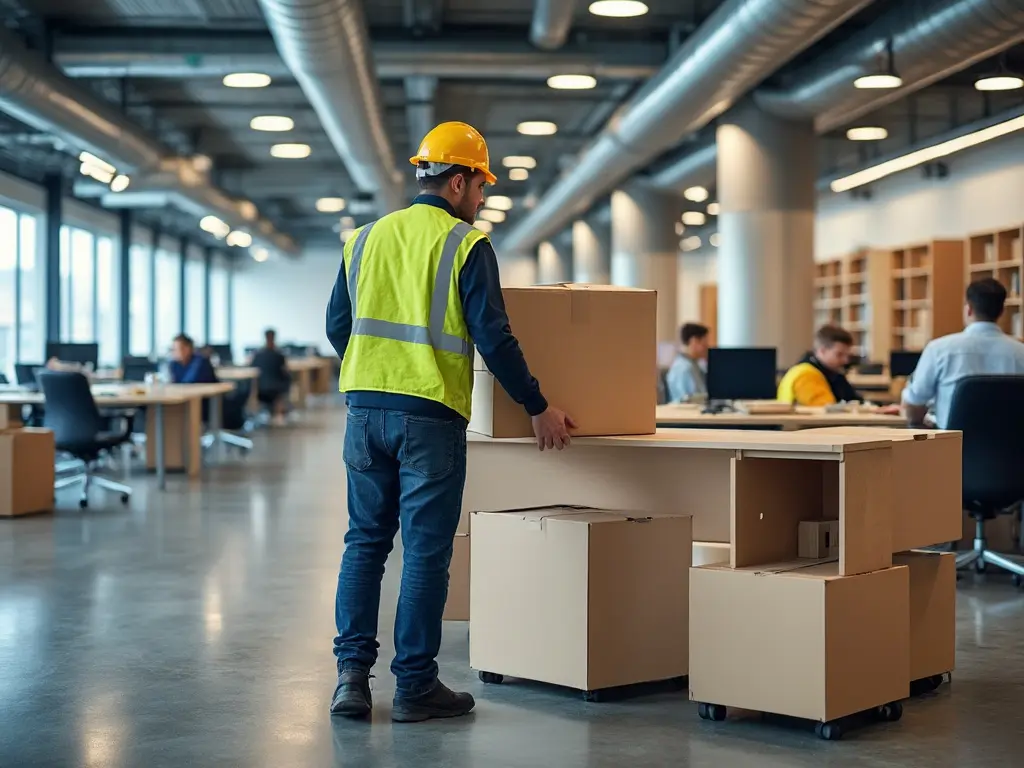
(27, 458)
(818, 539)
(926, 484)
(10, 417)
(592, 347)
(457, 607)
(932, 611)
(806, 643)
(710, 553)
(578, 597)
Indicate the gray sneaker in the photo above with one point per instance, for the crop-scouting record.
(439, 701)
(352, 696)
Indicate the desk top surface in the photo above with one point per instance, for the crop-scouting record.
(307, 363)
(670, 415)
(237, 372)
(126, 394)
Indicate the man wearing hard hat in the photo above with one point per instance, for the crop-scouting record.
(417, 289)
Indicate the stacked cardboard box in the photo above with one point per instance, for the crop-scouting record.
(457, 606)
(26, 468)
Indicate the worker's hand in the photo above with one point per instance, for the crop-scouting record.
(552, 428)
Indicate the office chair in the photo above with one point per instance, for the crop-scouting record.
(77, 425)
(234, 419)
(135, 369)
(989, 410)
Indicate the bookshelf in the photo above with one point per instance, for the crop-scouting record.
(1000, 254)
(927, 283)
(854, 292)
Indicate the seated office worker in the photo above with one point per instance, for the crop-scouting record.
(275, 381)
(186, 366)
(981, 348)
(416, 290)
(685, 380)
(819, 378)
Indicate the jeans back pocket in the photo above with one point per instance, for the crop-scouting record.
(356, 451)
(430, 446)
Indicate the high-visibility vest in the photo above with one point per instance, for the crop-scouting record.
(409, 335)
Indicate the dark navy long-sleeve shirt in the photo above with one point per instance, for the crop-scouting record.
(486, 318)
(198, 371)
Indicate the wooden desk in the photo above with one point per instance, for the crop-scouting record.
(243, 373)
(802, 418)
(311, 376)
(869, 381)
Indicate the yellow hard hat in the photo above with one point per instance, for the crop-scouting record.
(458, 144)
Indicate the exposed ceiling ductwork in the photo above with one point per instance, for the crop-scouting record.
(35, 93)
(326, 45)
(739, 45)
(942, 37)
(552, 20)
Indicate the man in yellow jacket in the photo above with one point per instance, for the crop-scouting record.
(819, 378)
(417, 290)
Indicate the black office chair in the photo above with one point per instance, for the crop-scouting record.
(136, 368)
(77, 425)
(235, 422)
(989, 410)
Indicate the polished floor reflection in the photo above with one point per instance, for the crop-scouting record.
(195, 627)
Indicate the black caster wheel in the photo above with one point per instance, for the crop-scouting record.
(491, 678)
(594, 697)
(829, 731)
(83, 503)
(1016, 580)
(713, 712)
(702, 711)
(125, 498)
(889, 713)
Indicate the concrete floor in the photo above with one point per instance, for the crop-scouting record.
(195, 628)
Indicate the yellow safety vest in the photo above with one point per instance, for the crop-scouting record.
(409, 335)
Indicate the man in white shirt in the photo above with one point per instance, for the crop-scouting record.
(685, 380)
(981, 348)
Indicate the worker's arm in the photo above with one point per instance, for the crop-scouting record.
(484, 309)
(922, 387)
(811, 388)
(680, 382)
(339, 314)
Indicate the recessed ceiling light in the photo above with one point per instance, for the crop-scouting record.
(694, 219)
(488, 214)
(90, 159)
(618, 9)
(346, 234)
(215, 227)
(330, 204)
(239, 238)
(247, 80)
(999, 83)
(499, 203)
(120, 183)
(696, 194)
(680, 228)
(690, 243)
(713, 209)
(537, 128)
(572, 82)
(271, 123)
(484, 226)
(878, 82)
(867, 133)
(715, 240)
(260, 254)
(518, 174)
(519, 161)
(101, 175)
(290, 151)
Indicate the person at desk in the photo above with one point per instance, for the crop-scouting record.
(981, 348)
(275, 382)
(186, 366)
(685, 380)
(819, 378)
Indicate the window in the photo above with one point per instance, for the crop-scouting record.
(195, 297)
(22, 292)
(108, 289)
(168, 299)
(32, 306)
(139, 304)
(8, 288)
(65, 283)
(83, 286)
(219, 300)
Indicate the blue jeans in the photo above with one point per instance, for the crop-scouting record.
(403, 471)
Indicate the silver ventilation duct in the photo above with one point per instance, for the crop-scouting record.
(739, 45)
(38, 95)
(552, 20)
(696, 168)
(326, 45)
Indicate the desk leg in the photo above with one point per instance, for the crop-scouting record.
(216, 422)
(161, 467)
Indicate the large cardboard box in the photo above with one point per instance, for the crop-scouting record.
(578, 597)
(592, 347)
(925, 481)
(806, 643)
(932, 611)
(457, 607)
(27, 458)
(10, 417)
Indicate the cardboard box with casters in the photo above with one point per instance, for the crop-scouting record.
(932, 612)
(592, 348)
(26, 471)
(579, 597)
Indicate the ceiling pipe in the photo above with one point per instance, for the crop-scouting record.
(420, 112)
(326, 45)
(552, 20)
(35, 93)
(695, 169)
(741, 43)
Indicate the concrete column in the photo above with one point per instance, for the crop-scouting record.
(645, 249)
(554, 263)
(766, 172)
(591, 252)
(518, 270)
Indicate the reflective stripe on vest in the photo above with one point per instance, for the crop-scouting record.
(433, 335)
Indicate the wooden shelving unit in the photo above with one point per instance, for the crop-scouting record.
(927, 292)
(1000, 254)
(854, 292)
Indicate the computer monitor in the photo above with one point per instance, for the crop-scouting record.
(83, 354)
(743, 373)
(223, 352)
(903, 363)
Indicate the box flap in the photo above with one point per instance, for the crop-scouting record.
(574, 514)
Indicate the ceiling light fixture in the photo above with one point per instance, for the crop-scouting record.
(277, 123)
(488, 214)
(999, 83)
(260, 254)
(518, 174)
(120, 183)
(680, 228)
(101, 175)
(694, 219)
(240, 238)
(715, 240)
(290, 151)
(696, 194)
(519, 161)
(215, 227)
(499, 203)
(89, 159)
(330, 204)
(572, 82)
(691, 243)
(618, 9)
(713, 209)
(346, 234)
(246, 80)
(537, 128)
(884, 78)
(927, 154)
(867, 133)
(484, 226)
